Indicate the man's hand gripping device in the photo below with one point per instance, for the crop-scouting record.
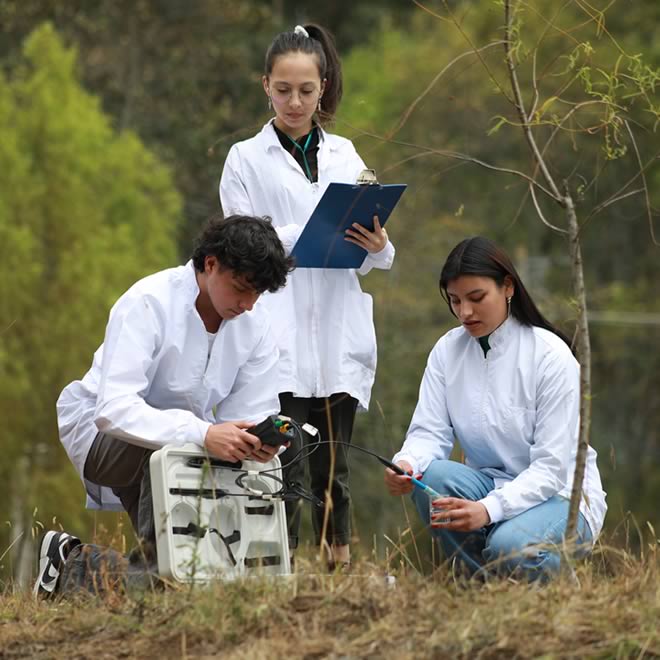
(274, 430)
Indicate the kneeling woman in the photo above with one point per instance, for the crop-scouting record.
(506, 385)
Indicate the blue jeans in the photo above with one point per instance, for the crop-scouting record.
(528, 545)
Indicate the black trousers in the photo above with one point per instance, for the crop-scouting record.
(327, 463)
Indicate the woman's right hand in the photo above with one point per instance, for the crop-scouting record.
(399, 484)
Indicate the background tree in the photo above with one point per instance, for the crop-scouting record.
(184, 76)
(613, 93)
(83, 214)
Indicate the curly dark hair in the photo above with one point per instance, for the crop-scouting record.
(246, 245)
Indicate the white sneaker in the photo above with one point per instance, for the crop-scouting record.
(54, 548)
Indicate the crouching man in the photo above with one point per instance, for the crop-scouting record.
(188, 357)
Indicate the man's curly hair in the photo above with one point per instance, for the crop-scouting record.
(246, 245)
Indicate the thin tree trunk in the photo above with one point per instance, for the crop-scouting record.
(584, 358)
(577, 274)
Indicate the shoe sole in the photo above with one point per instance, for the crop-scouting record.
(46, 581)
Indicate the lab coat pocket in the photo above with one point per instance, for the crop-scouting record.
(359, 334)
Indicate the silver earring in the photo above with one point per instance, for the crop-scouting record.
(508, 305)
(319, 106)
(270, 103)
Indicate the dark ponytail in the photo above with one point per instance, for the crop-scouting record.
(322, 44)
(480, 256)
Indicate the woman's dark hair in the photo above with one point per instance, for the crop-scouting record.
(322, 44)
(480, 256)
(248, 246)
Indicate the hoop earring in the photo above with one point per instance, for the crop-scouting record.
(270, 103)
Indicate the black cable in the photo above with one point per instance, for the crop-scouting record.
(387, 463)
(266, 473)
(314, 446)
(306, 450)
(293, 491)
(300, 455)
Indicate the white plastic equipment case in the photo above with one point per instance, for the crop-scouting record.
(203, 534)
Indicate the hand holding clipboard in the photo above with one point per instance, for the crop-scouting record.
(323, 244)
(371, 241)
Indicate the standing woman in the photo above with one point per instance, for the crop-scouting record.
(506, 386)
(322, 319)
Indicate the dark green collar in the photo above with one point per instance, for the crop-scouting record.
(311, 138)
(483, 342)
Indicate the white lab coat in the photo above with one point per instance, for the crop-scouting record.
(515, 414)
(152, 381)
(322, 319)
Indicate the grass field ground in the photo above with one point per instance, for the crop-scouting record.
(609, 609)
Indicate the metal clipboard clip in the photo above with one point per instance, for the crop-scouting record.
(367, 178)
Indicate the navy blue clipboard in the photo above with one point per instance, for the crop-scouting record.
(322, 242)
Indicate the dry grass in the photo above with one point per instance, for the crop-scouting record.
(612, 610)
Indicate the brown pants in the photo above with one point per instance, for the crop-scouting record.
(124, 468)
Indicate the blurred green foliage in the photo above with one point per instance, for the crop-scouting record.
(84, 213)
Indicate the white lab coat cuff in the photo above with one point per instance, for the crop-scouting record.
(414, 463)
(494, 508)
(382, 259)
(198, 431)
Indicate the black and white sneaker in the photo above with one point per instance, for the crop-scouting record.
(54, 548)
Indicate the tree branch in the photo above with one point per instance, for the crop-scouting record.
(612, 200)
(535, 86)
(645, 187)
(549, 24)
(406, 115)
(469, 41)
(519, 210)
(597, 17)
(515, 86)
(572, 111)
(389, 168)
(452, 154)
(618, 194)
(540, 213)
